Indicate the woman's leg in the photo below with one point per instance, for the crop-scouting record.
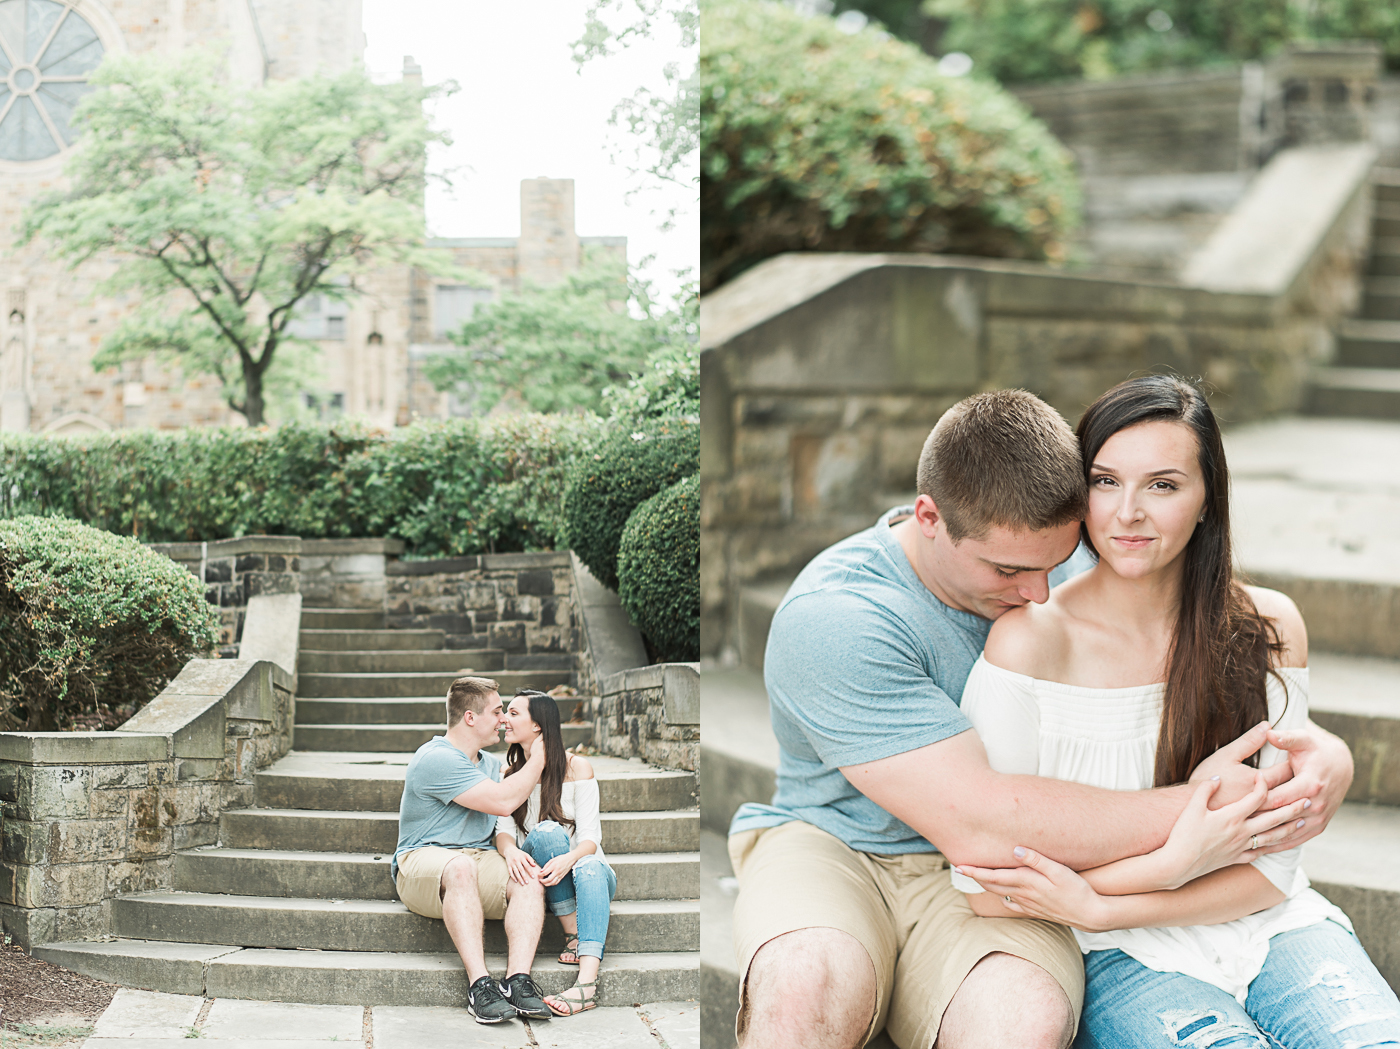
(596, 884)
(1129, 1006)
(544, 842)
(1319, 990)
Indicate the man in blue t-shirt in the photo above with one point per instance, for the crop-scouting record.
(446, 864)
(846, 920)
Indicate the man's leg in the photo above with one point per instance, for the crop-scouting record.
(811, 987)
(1004, 1001)
(461, 912)
(524, 919)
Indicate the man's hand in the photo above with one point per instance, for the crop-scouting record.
(1322, 770)
(1237, 779)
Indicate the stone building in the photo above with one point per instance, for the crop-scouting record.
(53, 320)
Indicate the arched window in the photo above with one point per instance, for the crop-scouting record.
(47, 51)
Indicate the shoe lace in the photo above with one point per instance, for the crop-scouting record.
(487, 991)
(524, 983)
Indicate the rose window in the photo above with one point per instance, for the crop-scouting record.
(47, 51)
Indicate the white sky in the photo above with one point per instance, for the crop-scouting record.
(525, 110)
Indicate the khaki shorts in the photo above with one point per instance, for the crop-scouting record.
(420, 879)
(919, 931)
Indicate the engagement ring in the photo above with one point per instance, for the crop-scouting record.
(1253, 842)
(1007, 899)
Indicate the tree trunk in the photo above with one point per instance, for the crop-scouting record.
(253, 395)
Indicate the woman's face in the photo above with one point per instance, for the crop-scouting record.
(519, 727)
(1146, 493)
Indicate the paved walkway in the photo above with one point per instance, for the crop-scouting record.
(153, 1020)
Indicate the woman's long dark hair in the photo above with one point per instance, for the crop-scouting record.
(1222, 648)
(544, 712)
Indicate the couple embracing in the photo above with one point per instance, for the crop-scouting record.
(1014, 813)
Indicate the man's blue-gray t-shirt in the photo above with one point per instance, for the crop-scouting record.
(438, 773)
(862, 663)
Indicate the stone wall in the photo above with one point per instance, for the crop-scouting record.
(235, 570)
(522, 604)
(650, 712)
(86, 816)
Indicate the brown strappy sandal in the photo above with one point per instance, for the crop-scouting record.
(569, 955)
(561, 1006)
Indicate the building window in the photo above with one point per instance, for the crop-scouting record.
(318, 317)
(47, 51)
(453, 306)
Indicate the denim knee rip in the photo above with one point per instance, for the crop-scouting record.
(1344, 988)
(1210, 1029)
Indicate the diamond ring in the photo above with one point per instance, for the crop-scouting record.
(1253, 842)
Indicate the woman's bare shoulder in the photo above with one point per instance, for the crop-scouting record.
(1287, 620)
(1029, 640)
(579, 768)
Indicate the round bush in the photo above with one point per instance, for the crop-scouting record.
(92, 625)
(624, 472)
(815, 140)
(658, 568)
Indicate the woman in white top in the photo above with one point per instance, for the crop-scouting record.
(556, 837)
(1128, 677)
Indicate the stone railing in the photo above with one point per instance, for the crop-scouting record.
(651, 712)
(86, 816)
(235, 570)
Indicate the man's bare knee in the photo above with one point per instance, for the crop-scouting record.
(815, 983)
(458, 876)
(530, 890)
(1006, 997)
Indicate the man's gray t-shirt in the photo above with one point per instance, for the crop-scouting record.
(862, 663)
(438, 773)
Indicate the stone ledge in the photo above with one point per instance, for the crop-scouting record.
(436, 566)
(539, 559)
(344, 547)
(248, 544)
(83, 748)
(192, 710)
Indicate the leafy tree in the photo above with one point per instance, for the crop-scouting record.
(228, 209)
(559, 348)
(666, 128)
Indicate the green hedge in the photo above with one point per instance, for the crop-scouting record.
(658, 567)
(815, 140)
(1026, 40)
(609, 484)
(461, 487)
(92, 625)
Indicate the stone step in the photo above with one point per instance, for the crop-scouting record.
(1368, 393)
(737, 749)
(332, 640)
(365, 876)
(411, 710)
(1385, 219)
(440, 661)
(369, 782)
(1385, 257)
(356, 977)
(397, 738)
(1368, 344)
(341, 619)
(1381, 300)
(636, 926)
(1385, 183)
(757, 603)
(315, 830)
(409, 685)
(1358, 698)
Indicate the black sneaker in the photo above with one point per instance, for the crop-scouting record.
(487, 1003)
(522, 993)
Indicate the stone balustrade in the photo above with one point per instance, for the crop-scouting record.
(650, 712)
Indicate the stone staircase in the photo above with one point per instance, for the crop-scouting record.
(295, 903)
(1364, 380)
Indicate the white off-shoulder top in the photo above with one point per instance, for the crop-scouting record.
(579, 800)
(1107, 737)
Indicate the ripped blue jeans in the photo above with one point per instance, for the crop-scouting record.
(1317, 990)
(587, 889)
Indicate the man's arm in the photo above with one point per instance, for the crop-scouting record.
(503, 798)
(947, 792)
(1322, 772)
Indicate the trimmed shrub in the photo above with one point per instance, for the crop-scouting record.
(1028, 40)
(658, 567)
(612, 482)
(447, 489)
(92, 625)
(815, 140)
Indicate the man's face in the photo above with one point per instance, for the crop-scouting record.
(992, 575)
(487, 725)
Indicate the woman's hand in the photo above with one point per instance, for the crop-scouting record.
(552, 873)
(522, 866)
(1042, 888)
(1205, 839)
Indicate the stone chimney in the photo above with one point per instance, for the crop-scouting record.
(549, 248)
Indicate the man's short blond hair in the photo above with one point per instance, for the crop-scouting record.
(1003, 458)
(468, 693)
